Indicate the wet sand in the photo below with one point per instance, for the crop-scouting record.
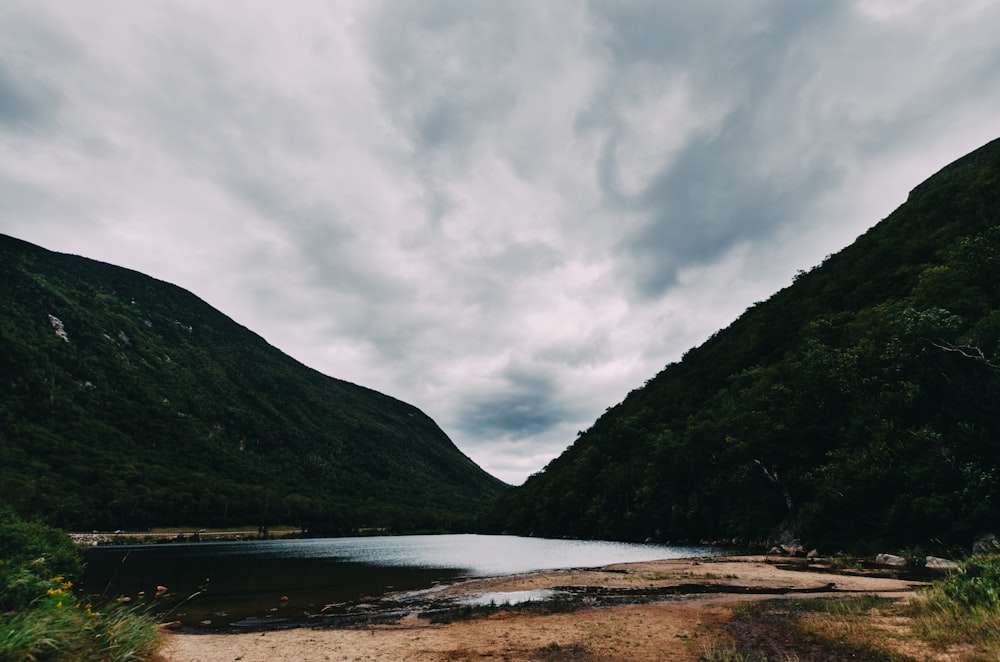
(658, 610)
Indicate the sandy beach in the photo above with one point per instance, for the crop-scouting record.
(658, 610)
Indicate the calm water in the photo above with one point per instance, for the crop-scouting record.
(246, 580)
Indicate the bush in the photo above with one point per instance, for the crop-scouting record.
(40, 616)
(976, 584)
(25, 544)
(964, 608)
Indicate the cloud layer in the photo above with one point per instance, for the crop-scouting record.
(508, 214)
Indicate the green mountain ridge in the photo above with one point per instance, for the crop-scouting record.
(128, 402)
(859, 406)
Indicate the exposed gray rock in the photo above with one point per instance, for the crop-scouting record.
(986, 544)
(938, 563)
(891, 560)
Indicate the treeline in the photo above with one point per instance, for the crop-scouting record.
(860, 406)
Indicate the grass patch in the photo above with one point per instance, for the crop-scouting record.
(41, 618)
(808, 628)
(728, 652)
(842, 564)
(59, 628)
(957, 617)
(963, 609)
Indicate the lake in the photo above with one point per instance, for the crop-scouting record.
(242, 584)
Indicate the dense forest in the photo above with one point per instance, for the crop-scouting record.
(127, 402)
(859, 406)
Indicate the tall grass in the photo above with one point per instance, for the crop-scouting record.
(41, 618)
(726, 652)
(963, 609)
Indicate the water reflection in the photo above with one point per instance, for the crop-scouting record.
(509, 597)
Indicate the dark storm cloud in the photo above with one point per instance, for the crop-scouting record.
(522, 403)
(717, 201)
(518, 414)
(24, 103)
(722, 189)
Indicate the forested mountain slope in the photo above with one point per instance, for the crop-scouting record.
(858, 406)
(127, 402)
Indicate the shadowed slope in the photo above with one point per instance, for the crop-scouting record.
(859, 405)
(129, 402)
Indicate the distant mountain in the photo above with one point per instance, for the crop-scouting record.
(127, 402)
(859, 406)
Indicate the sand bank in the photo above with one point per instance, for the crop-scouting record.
(658, 610)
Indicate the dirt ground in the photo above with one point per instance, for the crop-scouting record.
(670, 628)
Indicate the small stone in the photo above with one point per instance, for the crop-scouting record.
(891, 560)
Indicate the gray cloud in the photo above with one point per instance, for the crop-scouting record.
(736, 70)
(439, 65)
(518, 414)
(21, 103)
(719, 200)
(29, 102)
(509, 214)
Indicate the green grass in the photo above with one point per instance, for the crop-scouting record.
(41, 618)
(839, 563)
(963, 609)
(59, 628)
(726, 652)
(958, 616)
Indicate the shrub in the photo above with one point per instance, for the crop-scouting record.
(964, 608)
(29, 544)
(976, 584)
(41, 617)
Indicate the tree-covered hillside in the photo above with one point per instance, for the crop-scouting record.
(859, 406)
(127, 402)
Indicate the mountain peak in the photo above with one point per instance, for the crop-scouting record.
(129, 402)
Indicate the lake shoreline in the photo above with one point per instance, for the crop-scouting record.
(109, 538)
(273, 584)
(643, 610)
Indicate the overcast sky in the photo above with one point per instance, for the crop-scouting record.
(507, 213)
